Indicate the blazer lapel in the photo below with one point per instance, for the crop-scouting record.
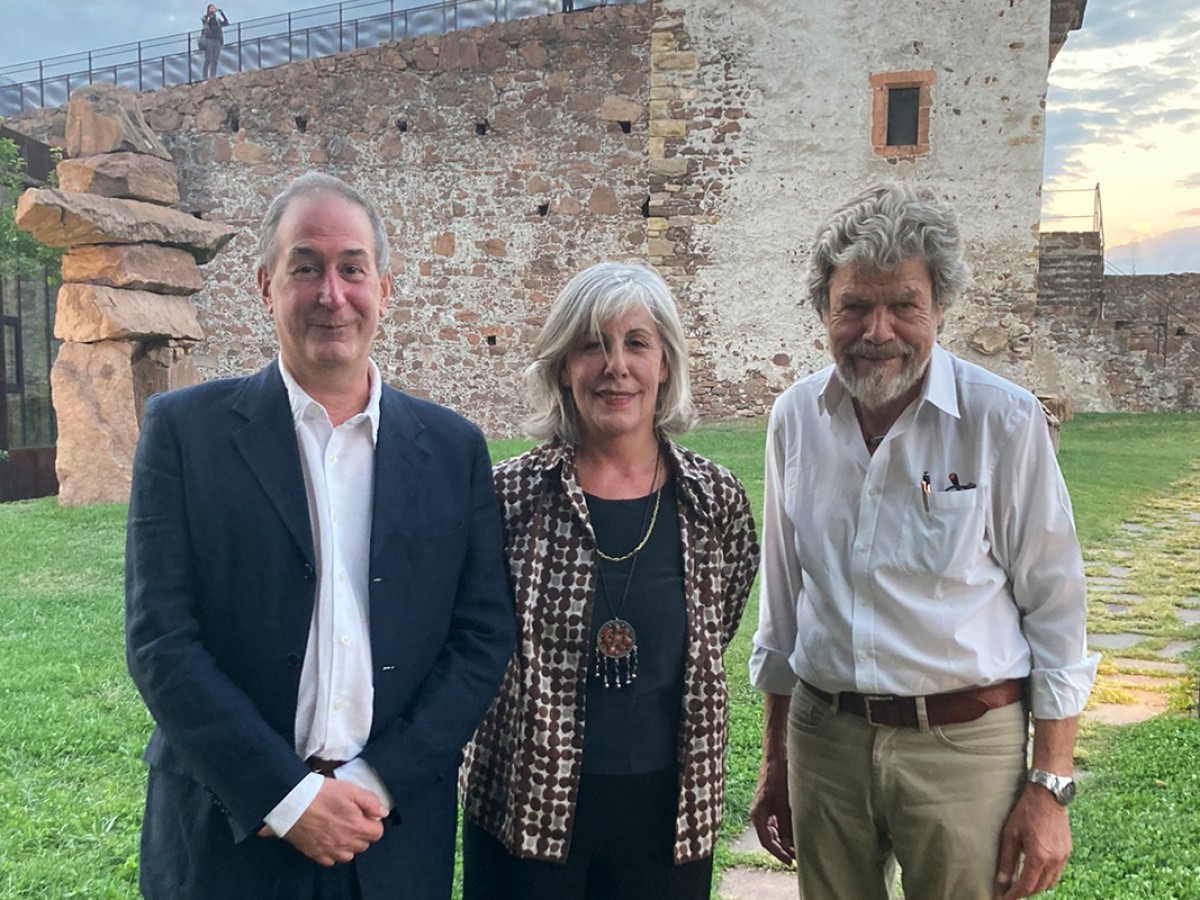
(267, 443)
(400, 462)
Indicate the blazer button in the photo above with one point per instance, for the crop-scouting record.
(309, 574)
(293, 660)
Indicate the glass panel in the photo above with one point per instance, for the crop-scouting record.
(14, 421)
(903, 109)
(38, 414)
(8, 296)
(12, 375)
(39, 419)
(35, 367)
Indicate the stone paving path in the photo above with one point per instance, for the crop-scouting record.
(1130, 688)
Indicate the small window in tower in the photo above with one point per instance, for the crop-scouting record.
(901, 105)
(903, 116)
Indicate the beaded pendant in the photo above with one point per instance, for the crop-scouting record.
(616, 654)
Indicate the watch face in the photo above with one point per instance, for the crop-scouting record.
(1062, 787)
(1067, 793)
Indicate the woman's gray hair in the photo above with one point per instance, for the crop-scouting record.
(883, 227)
(305, 186)
(595, 296)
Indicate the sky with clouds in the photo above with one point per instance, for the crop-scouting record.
(1123, 109)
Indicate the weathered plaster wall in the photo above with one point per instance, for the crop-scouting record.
(746, 123)
(798, 77)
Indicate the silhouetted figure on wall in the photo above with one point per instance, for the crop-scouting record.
(212, 38)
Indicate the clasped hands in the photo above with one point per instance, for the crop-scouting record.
(343, 820)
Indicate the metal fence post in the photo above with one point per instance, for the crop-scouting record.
(140, 86)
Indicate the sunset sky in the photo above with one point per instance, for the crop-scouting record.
(1123, 109)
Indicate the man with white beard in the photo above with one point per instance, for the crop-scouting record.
(922, 591)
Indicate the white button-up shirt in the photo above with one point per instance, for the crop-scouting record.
(863, 589)
(334, 707)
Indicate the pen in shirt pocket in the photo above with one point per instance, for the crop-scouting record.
(925, 489)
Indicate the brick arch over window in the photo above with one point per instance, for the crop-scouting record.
(900, 103)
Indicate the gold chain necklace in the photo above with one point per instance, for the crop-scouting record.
(649, 531)
(645, 537)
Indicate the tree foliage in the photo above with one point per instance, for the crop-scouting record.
(20, 253)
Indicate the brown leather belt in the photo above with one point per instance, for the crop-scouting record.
(952, 708)
(324, 767)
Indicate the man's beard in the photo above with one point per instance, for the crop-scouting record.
(877, 389)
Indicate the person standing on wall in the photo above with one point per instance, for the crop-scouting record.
(212, 38)
(922, 591)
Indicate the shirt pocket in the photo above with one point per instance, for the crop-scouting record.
(946, 540)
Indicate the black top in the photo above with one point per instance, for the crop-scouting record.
(634, 729)
(211, 25)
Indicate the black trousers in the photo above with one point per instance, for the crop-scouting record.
(621, 849)
(339, 882)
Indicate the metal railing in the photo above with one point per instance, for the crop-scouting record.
(256, 44)
(1096, 217)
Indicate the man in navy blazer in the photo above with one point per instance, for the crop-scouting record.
(317, 606)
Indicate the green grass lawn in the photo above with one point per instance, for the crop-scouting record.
(72, 727)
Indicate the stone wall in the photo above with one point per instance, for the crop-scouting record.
(711, 137)
(1115, 343)
(1070, 279)
(503, 159)
(1153, 362)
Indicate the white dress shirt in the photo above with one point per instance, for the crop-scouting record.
(334, 707)
(862, 589)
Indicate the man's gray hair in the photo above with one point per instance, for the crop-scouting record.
(305, 186)
(595, 296)
(883, 227)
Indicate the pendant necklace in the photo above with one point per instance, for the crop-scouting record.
(616, 641)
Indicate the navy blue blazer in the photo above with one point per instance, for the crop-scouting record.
(219, 592)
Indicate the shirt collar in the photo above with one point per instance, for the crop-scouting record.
(301, 403)
(939, 388)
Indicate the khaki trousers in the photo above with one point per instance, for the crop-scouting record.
(866, 798)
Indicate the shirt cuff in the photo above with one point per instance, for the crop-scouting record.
(360, 772)
(292, 807)
(770, 671)
(1062, 693)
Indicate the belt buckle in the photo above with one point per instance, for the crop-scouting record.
(868, 699)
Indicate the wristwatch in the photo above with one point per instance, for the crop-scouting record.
(1061, 786)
